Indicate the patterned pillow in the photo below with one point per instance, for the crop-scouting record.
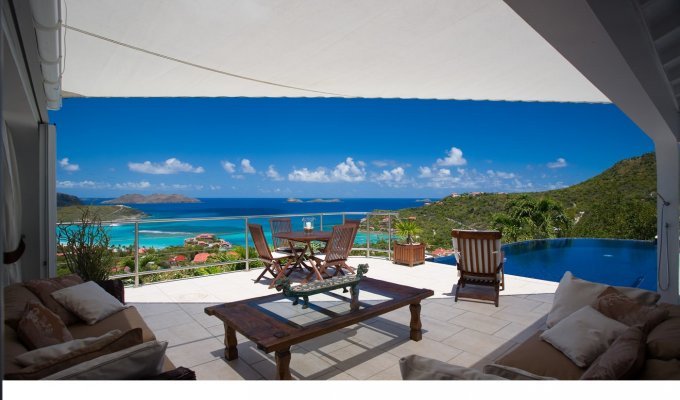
(43, 288)
(622, 360)
(40, 327)
(617, 306)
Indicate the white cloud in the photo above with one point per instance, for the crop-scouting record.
(346, 171)
(229, 167)
(273, 174)
(454, 158)
(305, 175)
(246, 167)
(179, 186)
(559, 163)
(67, 166)
(81, 185)
(349, 171)
(395, 177)
(425, 172)
(215, 187)
(133, 185)
(169, 166)
(500, 174)
(381, 163)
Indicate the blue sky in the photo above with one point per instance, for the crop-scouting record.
(245, 147)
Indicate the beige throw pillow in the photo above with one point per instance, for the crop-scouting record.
(622, 360)
(44, 287)
(573, 293)
(49, 353)
(615, 305)
(137, 362)
(40, 327)
(88, 301)
(584, 335)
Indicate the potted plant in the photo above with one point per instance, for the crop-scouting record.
(85, 245)
(408, 253)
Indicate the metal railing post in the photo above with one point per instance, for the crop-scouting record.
(368, 235)
(247, 252)
(136, 254)
(321, 222)
(389, 237)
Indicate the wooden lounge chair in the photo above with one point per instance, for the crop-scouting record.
(480, 264)
(337, 250)
(272, 260)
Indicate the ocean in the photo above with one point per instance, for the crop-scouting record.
(159, 235)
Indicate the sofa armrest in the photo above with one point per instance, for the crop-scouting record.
(115, 288)
(179, 373)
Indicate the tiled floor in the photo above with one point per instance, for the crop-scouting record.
(465, 333)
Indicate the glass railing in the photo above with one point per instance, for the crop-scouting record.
(152, 250)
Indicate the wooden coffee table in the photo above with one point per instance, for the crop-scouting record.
(269, 321)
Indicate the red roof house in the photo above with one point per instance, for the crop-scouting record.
(201, 257)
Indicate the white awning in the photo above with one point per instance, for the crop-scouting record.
(426, 49)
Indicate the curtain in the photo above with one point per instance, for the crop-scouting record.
(11, 198)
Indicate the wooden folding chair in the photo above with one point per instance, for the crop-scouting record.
(337, 250)
(480, 263)
(272, 260)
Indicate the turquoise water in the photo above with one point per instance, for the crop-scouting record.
(161, 235)
(608, 261)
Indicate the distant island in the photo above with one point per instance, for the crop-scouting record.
(105, 213)
(294, 200)
(151, 199)
(65, 200)
(424, 201)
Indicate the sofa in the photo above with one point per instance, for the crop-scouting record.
(592, 332)
(64, 328)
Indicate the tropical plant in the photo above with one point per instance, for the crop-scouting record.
(407, 228)
(85, 246)
(528, 218)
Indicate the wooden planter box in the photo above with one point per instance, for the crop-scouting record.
(409, 254)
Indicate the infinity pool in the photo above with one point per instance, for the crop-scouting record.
(609, 261)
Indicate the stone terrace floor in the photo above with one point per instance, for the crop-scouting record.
(465, 333)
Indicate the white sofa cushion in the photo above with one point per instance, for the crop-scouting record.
(49, 353)
(573, 293)
(584, 335)
(89, 301)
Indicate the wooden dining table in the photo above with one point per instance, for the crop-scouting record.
(301, 256)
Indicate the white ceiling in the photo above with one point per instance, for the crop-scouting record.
(428, 49)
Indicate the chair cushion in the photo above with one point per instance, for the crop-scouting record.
(573, 293)
(43, 288)
(279, 255)
(622, 360)
(40, 327)
(584, 335)
(88, 301)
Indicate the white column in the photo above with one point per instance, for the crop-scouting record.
(668, 186)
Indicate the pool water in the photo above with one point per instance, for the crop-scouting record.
(608, 261)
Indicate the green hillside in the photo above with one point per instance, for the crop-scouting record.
(613, 204)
